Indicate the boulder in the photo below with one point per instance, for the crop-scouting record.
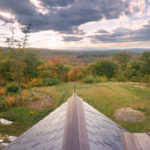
(33, 94)
(128, 114)
(11, 138)
(5, 122)
(1, 141)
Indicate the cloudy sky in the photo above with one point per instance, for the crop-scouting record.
(78, 24)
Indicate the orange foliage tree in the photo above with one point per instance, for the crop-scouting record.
(53, 69)
(75, 74)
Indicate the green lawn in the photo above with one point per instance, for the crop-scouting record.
(105, 97)
(23, 119)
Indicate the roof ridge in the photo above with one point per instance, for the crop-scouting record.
(75, 132)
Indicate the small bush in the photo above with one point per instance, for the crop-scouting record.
(143, 109)
(133, 78)
(10, 100)
(25, 92)
(89, 79)
(50, 82)
(2, 91)
(104, 79)
(36, 82)
(26, 95)
(120, 78)
(113, 80)
(98, 79)
(145, 79)
(3, 106)
(12, 88)
(55, 81)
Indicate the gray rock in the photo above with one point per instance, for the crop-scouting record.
(5, 122)
(128, 114)
(11, 138)
(1, 141)
(32, 94)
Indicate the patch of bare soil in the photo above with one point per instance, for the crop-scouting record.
(40, 102)
(128, 114)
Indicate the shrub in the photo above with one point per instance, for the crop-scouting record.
(133, 78)
(143, 109)
(54, 81)
(98, 79)
(120, 78)
(3, 105)
(25, 91)
(89, 79)
(50, 82)
(145, 79)
(10, 100)
(2, 91)
(104, 79)
(36, 82)
(26, 95)
(113, 80)
(12, 88)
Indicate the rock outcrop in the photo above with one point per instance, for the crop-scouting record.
(128, 114)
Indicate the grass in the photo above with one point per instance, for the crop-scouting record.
(105, 97)
(23, 119)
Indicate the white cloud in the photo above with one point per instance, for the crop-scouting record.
(7, 15)
(39, 7)
(137, 7)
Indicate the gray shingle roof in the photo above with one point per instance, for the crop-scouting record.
(103, 133)
(75, 125)
(45, 135)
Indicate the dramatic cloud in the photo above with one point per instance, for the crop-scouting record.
(77, 23)
(64, 15)
(124, 35)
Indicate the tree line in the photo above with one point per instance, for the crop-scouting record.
(25, 69)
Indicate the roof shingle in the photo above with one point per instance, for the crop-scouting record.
(94, 130)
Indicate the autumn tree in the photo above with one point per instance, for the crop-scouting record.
(122, 58)
(74, 74)
(16, 56)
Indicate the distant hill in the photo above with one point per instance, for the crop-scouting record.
(83, 57)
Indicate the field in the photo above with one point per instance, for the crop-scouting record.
(105, 97)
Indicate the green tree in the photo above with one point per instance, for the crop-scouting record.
(145, 58)
(105, 67)
(32, 61)
(17, 67)
(133, 70)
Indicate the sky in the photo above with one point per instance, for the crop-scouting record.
(78, 24)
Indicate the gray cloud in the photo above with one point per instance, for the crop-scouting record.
(102, 31)
(72, 38)
(124, 35)
(65, 15)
